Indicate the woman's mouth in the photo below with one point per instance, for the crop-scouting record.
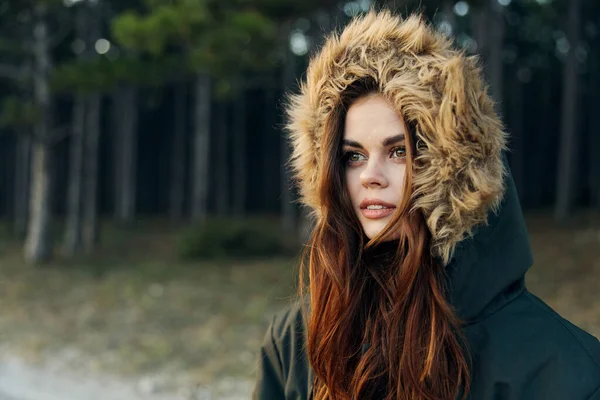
(375, 208)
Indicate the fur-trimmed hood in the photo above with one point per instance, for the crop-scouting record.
(439, 90)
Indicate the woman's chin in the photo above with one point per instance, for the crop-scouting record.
(373, 228)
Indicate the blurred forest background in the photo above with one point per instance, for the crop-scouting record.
(142, 171)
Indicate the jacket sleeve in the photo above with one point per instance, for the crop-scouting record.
(270, 381)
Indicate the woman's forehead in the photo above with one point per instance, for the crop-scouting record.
(372, 119)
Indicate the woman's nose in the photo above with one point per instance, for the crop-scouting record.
(373, 175)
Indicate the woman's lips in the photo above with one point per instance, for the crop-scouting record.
(378, 208)
(376, 214)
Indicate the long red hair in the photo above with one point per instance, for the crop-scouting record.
(396, 304)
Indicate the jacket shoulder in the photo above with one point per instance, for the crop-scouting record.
(527, 350)
(283, 367)
(289, 323)
(589, 344)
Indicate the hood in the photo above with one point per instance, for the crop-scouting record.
(461, 180)
(488, 269)
(458, 176)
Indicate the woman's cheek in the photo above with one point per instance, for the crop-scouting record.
(400, 174)
(353, 183)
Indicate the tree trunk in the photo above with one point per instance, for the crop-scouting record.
(479, 25)
(568, 130)
(91, 142)
(38, 246)
(22, 182)
(223, 161)
(288, 209)
(74, 191)
(518, 137)
(177, 188)
(90, 207)
(594, 129)
(73, 226)
(116, 123)
(126, 155)
(240, 164)
(269, 163)
(496, 44)
(201, 148)
(449, 16)
(544, 141)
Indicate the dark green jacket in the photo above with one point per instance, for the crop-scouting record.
(521, 348)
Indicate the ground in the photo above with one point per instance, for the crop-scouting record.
(134, 311)
(566, 270)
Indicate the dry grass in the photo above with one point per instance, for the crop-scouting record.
(140, 311)
(566, 270)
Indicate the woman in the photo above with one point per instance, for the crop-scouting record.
(417, 259)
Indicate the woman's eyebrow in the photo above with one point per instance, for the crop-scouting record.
(352, 143)
(386, 142)
(393, 139)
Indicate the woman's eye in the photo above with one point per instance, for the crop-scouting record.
(399, 152)
(353, 157)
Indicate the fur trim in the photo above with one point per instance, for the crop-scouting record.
(458, 176)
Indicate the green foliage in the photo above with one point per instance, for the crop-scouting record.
(205, 36)
(126, 30)
(235, 238)
(83, 76)
(101, 74)
(235, 42)
(152, 32)
(17, 113)
(290, 9)
(176, 24)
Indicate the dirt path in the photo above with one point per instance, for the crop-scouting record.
(22, 381)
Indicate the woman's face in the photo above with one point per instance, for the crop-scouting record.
(374, 151)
